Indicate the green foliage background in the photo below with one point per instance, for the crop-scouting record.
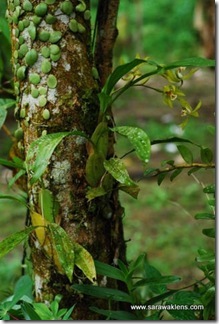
(160, 29)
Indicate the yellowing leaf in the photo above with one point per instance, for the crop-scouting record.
(85, 262)
(39, 220)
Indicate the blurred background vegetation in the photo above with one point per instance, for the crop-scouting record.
(161, 222)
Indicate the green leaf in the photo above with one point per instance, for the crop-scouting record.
(10, 242)
(133, 190)
(169, 162)
(209, 189)
(210, 232)
(185, 297)
(118, 73)
(175, 173)
(123, 267)
(211, 202)
(207, 257)
(157, 281)
(150, 172)
(67, 316)
(19, 174)
(48, 205)
(133, 266)
(22, 200)
(4, 27)
(152, 272)
(3, 114)
(84, 261)
(105, 101)
(138, 138)
(7, 103)
(109, 271)
(62, 249)
(43, 311)
(117, 315)
(211, 129)
(182, 301)
(193, 62)
(22, 288)
(41, 150)
(154, 317)
(202, 251)
(192, 170)
(204, 216)
(185, 153)
(13, 164)
(180, 313)
(118, 170)
(93, 193)
(156, 299)
(29, 312)
(206, 155)
(209, 295)
(4, 105)
(161, 177)
(54, 306)
(102, 292)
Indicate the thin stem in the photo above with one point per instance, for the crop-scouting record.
(133, 82)
(129, 152)
(149, 87)
(192, 165)
(7, 132)
(174, 203)
(185, 166)
(191, 285)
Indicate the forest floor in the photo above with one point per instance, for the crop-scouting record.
(161, 222)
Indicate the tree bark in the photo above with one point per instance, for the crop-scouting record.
(204, 23)
(106, 36)
(72, 104)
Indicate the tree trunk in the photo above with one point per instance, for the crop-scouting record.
(204, 23)
(56, 92)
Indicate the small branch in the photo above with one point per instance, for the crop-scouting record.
(192, 165)
(184, 166)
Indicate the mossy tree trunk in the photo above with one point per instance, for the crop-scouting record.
(56, 92)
